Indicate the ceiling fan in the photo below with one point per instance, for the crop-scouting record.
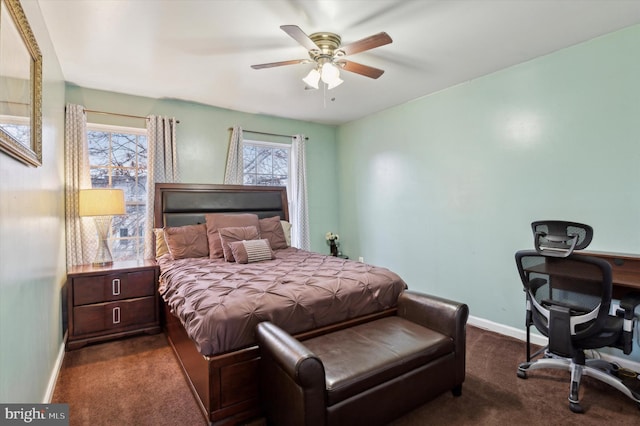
(328, 55)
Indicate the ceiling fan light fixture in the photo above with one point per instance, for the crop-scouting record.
(335, 83)
(325, 49)
(312, 79)
(330, 75)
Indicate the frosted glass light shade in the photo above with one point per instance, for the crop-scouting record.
(331, 75)
(312, 79)
(101, 202)
(334, 83)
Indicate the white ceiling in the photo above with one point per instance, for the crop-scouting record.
(201, 50)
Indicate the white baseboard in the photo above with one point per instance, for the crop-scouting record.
(48, 396)
(541, 340)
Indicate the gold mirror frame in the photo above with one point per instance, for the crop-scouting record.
(28, 151)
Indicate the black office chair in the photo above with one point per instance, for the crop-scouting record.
(568, 300)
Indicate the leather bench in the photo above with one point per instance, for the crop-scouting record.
(368, 374)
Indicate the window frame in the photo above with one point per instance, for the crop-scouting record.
(274, 145)
(139, 240)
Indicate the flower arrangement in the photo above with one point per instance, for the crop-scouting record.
(332, 240)
(331, 237)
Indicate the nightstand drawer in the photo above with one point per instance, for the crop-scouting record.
(116, 286)
(114, 315)
(109, 302)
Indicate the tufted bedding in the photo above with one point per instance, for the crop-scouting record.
(220, 303)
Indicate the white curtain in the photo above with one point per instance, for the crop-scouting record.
(234, 173)
(162, 166)
(299, 214)
(80, 232)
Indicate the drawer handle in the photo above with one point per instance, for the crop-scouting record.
(115, 287)
(116, 315)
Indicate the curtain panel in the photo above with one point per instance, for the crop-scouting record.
(300, 235)
(234, 173)
(162, 167)
(80, 232)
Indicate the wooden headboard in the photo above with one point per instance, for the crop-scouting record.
(178, 204)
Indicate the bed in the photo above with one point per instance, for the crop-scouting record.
(211, 306)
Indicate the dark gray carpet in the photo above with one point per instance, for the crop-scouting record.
(137, 381)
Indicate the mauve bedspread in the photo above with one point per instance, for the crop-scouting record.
(220, 303)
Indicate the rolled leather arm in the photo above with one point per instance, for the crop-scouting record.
(441, 315)
(293, 376)
(627, 309)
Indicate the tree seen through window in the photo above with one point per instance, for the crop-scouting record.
(265, 163)
(118, 159)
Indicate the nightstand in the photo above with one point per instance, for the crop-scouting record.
(105, 303)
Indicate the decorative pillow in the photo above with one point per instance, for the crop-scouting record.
(271, 229)
(251, 251)
(233, 234)
(187, 241)
(286, 227)
(216, 221)
(161, 243)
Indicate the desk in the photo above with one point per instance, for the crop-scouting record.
(626, 270)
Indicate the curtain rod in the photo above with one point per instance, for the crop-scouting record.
(118, 114)
(269, 134)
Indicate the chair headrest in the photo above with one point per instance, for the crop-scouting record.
(558, 238)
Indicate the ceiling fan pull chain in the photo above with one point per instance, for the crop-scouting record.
(324, 96)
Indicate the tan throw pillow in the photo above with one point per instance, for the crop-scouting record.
(161, 244)
(216, 221)
(286, 227)
(187, 241)
(271, 229)
(233, 234)
(251, 251)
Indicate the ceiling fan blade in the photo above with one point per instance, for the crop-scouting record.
(366, 43)
(357, 68)
(298, 35)
(279, 64)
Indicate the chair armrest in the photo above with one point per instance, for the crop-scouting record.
(627, 309)
(292, 378)
(629, 302)
(442, 315)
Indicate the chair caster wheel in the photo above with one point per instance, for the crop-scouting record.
(576, 407)
(522, 374)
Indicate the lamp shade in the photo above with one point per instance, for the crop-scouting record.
(101, 202)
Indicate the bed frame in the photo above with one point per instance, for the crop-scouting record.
(225, 385)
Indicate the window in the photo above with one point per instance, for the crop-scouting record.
(118, 159)
(17, 127)
(266, 163)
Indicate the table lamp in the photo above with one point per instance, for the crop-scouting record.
(102, 204)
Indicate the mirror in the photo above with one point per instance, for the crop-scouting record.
(20, 86)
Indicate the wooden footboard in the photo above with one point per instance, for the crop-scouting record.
(226, 386)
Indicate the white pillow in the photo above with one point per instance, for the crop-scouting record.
(286, 227)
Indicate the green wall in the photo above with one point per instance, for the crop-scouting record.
(203, 140)
(32, 262)
(443, 189)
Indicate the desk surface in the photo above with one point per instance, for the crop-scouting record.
(625, 267)
(625, 271)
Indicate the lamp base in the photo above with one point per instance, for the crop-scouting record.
(103, 254)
